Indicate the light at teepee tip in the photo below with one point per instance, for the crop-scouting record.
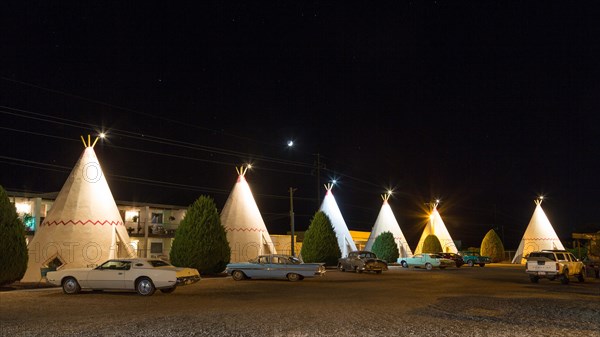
(333, 181)
(249, 166)
(102, 135)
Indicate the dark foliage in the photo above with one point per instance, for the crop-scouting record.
(492, 246)
(385, 247)
(13, 248)
(320, 243)
(200, 241)
(432, 244)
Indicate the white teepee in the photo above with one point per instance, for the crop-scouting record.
(539, 235)
(246, 230)
(331, 209)
(435, 226)
(83, 228)
(386, 222)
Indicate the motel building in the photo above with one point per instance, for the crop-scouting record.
(151, 227)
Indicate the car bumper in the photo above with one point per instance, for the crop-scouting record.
(549, 274)
(187, 280)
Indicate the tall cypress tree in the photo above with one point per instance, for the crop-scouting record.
(13, 248)
(385, 247)
(431, 244)
(492, 246)
(200, 241)
(320, 243)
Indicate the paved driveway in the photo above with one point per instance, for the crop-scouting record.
(497, 300)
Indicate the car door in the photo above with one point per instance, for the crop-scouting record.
(278, 267)
(110, 275)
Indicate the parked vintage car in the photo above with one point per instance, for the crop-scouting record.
(274, 266)
(457, 258)
(362, 260)
(141, 275)
(426, 260)
(472, 259)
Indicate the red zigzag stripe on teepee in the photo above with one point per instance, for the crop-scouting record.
(534, 239)
(229, 229)
(80, 222)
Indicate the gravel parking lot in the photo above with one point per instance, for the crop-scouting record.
(497, 300)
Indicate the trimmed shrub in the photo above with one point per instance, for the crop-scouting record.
(200, 241)
(385, 247)
(492, 246)
(320, 243)
(13, 248)
(432, 244)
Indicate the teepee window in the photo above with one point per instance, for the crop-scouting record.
(54, 262)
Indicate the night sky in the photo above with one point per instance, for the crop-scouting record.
(485, 105)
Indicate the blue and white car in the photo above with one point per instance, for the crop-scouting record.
(427, 261)
(274, 267)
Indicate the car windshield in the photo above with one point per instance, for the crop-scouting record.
(293, 260)
(158, 263)
(367, 255)
(540, 254)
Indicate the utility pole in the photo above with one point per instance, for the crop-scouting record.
(292, 217)
(318, 179)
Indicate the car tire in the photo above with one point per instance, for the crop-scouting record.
(404, 264)
(534, 279)
(168, 290)
(564, 278)
(458, 265)
(581, 277)
(145, 287)
(238, 275)
(471, 263)
(428, 266)
(293, 277)
(70, 286)
(341, 267)
(482, 264)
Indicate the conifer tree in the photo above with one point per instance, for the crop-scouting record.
(432, 244)
(385, 247)
(13, 248)
(492, 246)
(200, 241)
(320, 243)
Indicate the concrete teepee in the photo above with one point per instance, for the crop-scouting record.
(435, 226)
(539, 235)
(83, 228)
(246, 230)
(386, 222)
(331, 209)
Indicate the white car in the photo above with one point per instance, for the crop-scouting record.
(553, 264)
(141, 275)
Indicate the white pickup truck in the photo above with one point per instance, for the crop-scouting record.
(552, 264)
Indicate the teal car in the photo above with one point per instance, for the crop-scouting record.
(427, 261)
(274, 266)
(472, 259)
